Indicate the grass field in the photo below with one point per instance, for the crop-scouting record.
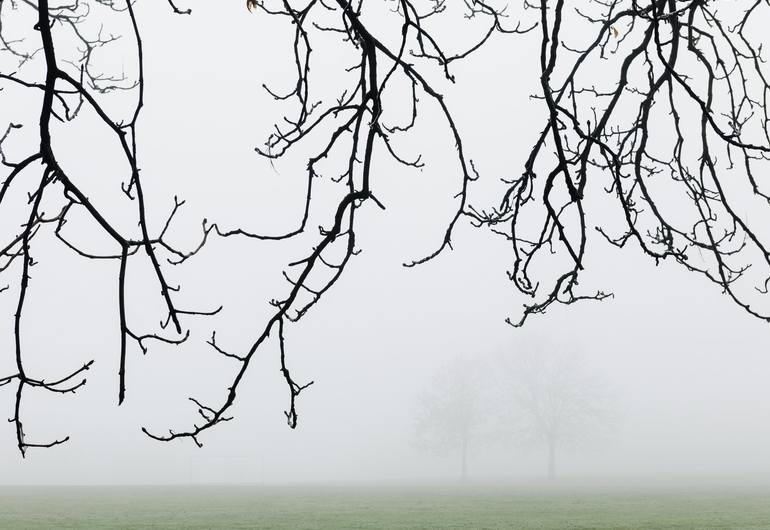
(340, 508)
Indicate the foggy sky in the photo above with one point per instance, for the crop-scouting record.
(689, 370)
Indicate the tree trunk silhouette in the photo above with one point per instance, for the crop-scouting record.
(464, 472)
(551, 458)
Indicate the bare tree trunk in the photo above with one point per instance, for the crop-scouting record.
(551, 458)
(464, 475)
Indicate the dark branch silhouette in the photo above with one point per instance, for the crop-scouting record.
(357, 123)
(69, 84)
(668, 68)
(674, 128)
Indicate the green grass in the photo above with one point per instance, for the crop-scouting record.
(340, 508)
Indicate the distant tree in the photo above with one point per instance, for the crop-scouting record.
(450, 413)
(551, 397)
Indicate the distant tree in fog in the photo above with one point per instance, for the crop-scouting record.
(551, 397)
(450, 413)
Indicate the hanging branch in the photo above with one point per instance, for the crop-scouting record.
(679, 66)
(356, 123)
(64, 96)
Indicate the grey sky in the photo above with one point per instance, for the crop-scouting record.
(690, 370)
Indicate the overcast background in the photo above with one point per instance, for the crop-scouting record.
(689, 370)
